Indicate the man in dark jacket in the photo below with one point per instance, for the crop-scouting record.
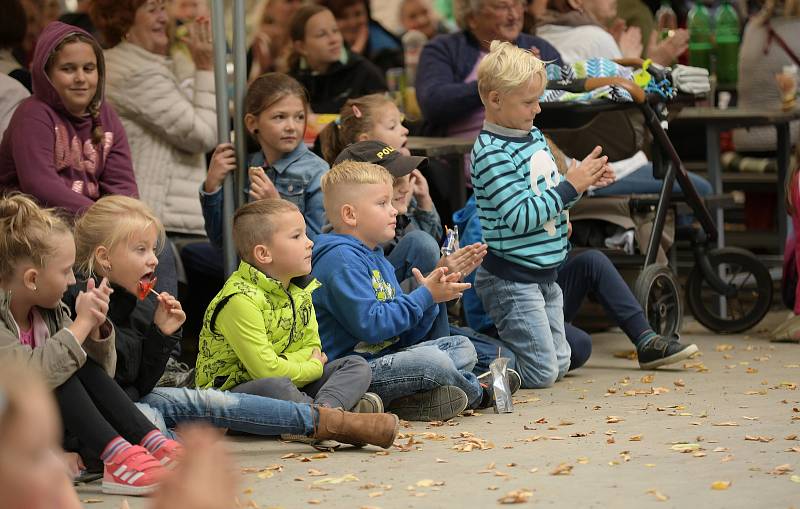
(447, 87)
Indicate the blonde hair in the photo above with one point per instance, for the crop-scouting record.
(506, 67)
(357, 116)
(340, 182)
(256, 222)
(28, 232)
(107, 222)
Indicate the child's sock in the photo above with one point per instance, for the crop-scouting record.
(114, 447)
(153, 441)
(644, 338)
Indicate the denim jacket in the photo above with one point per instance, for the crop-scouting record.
(296, 176)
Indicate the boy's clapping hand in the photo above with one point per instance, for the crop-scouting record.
(443, 287)
(589, 171)
(465, 259)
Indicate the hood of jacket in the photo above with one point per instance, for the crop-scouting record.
(326, 242)
(43, 88)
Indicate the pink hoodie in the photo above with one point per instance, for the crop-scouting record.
(48, 153)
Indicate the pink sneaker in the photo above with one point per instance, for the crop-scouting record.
(169, 453)
(135, 472)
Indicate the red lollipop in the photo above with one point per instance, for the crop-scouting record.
(146, 286)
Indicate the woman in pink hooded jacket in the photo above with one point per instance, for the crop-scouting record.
(64, 145)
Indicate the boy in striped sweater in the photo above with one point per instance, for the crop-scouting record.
(522, 204)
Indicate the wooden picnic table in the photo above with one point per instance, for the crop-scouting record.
(716, 120)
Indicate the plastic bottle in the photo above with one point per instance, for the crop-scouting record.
(666, 20)
(699, 24)
(726, 23)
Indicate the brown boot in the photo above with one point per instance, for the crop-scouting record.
(356, 429)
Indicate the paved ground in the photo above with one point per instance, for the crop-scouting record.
(609, 435)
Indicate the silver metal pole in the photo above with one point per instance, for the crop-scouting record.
(239, 90)
(223, 129)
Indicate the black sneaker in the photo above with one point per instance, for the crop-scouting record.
(661, 351)
(439, 404)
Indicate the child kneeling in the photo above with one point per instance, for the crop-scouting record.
(260, 333)
(522, 204)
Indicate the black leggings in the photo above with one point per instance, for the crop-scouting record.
(96, 410)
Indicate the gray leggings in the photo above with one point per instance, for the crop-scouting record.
(342, 384)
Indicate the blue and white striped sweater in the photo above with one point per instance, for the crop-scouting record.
(524, 224)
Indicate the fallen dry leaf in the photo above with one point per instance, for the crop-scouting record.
(758, 438)
(723, 347)
(793, 449)
(337, 480)
(516, 497)
(92, 501)
(648, 379)
(583, 460)
(313, 472)
(727, 458)
(562, 469)
(659, 496)
(635, 438)
(782, 469)
(290, 455)
(613, 419)
(427, 483)
(679, 383)
(720, 485)
(790, 437)
(726, 423)
(320, 456)
(795, 478)
(684, 447)
(266, 474)
(315, 501)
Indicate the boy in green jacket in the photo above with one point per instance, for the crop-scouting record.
(260, 333)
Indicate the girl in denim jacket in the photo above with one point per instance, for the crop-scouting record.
(277, 108)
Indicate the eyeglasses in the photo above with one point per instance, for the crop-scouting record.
(511, 7)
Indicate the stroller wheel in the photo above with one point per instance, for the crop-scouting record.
(746, 307)
(657, 291)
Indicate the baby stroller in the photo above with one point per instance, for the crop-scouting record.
(728, 290)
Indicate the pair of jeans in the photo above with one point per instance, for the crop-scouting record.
(418, 249)
(95, 410)
(426, 366)
(489, 348)
(245, 413)
(341, 385)
(530, 321)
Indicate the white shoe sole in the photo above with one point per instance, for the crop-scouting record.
(113, 488)
(672, 359)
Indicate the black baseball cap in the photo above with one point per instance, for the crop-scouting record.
(376, 152)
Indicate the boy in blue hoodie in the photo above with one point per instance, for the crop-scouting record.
(362, 309)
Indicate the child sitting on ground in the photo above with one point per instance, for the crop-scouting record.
(362, 309)
(277, 109)
(413, 245)
(522, 202)
(77, 358)
(260, 332)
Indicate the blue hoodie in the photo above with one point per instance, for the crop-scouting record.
(360, 307)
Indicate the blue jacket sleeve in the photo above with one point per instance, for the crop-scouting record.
(211, 204)
(421, 329)
(351, 298)
(315, 212)
(441, 93)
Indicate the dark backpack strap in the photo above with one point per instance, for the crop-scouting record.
(220, 305)
(773, 36)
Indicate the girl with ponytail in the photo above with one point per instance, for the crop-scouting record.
(64, 145)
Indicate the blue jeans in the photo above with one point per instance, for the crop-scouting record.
(642, 181)
(425, 366)
(418, 249)
(238, 412)
(530, 321)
